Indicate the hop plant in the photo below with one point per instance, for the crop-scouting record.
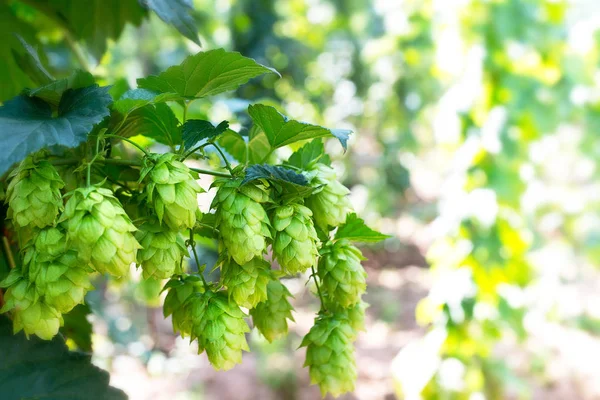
(330, 354)
(161, 251)
(33, 194)
(241, 219)
(172, 190)
(219, 326)
(343, 277)
(356, 315)
(270, 316)
(247, 283)
(296, 243)
(101, 230)
(330, 205)
(179, 291)
(30, 313)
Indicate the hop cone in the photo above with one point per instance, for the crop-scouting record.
(172, 191)
(330, 205)
(241, 220)
(161, 251)
(179, 291)
(30, 314)
(330, 355)
(295, 243)
(33, 194)
(270, 317)
(101, 230)
(58, 273)
(343, 277)
(219, 326)
(246, 284)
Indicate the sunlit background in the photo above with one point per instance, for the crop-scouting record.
(476, 145)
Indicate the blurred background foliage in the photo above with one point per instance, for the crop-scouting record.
(476, 146)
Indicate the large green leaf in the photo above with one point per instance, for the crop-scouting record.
(274, 173)
(281, 131)
(195, 130)
(254, 149)
(28, 124)
(176, 13)
(310, 153)
(154, 121)
(38, 369)
(356, 230)
(235, 145)
(133, 99)
(205, 74)
(52, 91)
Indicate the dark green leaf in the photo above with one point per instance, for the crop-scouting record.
(27, 124)
(282, 131)
(31, 64)
(205, 74)
(274, 173)
(176, 13)
(195, 130)
(203, 227)
(308, 154)
(38, 369)
(52, 92)
(157, 122)
(138, 98)
(356, 230)
(77, 327)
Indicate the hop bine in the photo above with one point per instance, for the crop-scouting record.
(161, 251)
(271, 316)
(241, 219)
(247, 283)
(171, 190)
(33, 194)
(330, 205)
(296, 243)
(100, 230)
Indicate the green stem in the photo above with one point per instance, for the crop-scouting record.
(193, 245)
(129, 141)
(208, 226)
(227, 165)
(189, 153)
(314, 276)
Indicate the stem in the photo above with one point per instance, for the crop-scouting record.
(9, 254)
(208, 226)
(189, 153)
(193, 244)
(314, 276)
(227, 165)
(129, 141)
(211, 172)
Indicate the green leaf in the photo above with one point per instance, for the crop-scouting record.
(274, 173)
(195, 130)
(307, 155)
(38, 369)
(138, 98)
(205, 74)
(77, 327)
(52, 92)
(27, 124)
(157, 122)
(235, 145)
(356, 230)
(281, 131)
(176, 13)
(31, 64)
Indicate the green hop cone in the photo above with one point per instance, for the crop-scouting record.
(219, 326)
(172, 190)
(161, 252)
(179, 291)
(330, 354)
(241, 219)
(296, 243)
(30, 313)
(270, 317)
(343, 278)
(100, 230)
(246, 284)
(33, 194)
(330, 205)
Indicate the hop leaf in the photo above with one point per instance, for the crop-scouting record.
(343, 277)
(219, 326)
(270, 317)
(296, 242)
(330, 205)
(33, 194)
(172, 191)
(246, 284)
(330, 354)
(161, 250)
(242, 221)
(100, 230)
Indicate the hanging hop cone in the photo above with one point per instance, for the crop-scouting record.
(33, 194)
(100, 230)
(270, 316)
(30, 313)
(246, 284)
(161, 252)
(343, 278)
(296, 243)
(59, 275)
(172, 190)
(330, 205)
(330, 355)
(219, 326)
(179, 291)
(241, 219)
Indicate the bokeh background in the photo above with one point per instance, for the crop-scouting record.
(476, 147)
